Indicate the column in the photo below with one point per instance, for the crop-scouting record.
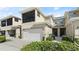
(58, 32)
(7, 35)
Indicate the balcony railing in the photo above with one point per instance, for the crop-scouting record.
(72, 16)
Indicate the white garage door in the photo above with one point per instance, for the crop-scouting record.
(32, 35)
(76, 33)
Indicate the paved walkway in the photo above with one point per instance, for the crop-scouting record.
(12, 45)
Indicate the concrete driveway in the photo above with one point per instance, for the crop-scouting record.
(12, 45)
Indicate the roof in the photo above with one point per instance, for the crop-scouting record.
(59, 21)
(41, 24)
(72, 10)
(33, 8)
(10, 16)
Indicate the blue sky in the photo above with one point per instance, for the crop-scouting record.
(56, 11)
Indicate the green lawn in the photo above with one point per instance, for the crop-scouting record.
(2, 38)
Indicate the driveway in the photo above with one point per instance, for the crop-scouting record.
(12, 45)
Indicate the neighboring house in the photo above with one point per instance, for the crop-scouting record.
(35, 25)
(11, 27)
(72, 23)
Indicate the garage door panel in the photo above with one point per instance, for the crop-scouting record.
(31, 35)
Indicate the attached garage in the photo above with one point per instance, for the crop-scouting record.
(31, 35)
(77, 33)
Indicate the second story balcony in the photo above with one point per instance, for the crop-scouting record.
(10, 21)
(74, 15)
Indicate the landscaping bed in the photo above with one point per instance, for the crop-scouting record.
(50, 46)
(77, 41)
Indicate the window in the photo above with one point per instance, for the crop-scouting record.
(16, 19)
(2, 32)
(12, 33)
(9, 21)
(28, 17)
(3, 23)
(38, 14)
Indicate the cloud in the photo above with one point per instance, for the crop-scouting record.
(56, 8)
(57, 15)
(49, 13)
(2, 8)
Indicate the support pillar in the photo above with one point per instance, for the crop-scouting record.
(58, 32)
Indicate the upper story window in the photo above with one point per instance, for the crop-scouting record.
(28, 17)
(38, 13)
(3, 23)
(9, 21)
(16, 19)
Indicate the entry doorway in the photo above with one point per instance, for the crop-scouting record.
(58, 32)
(55, 31)
(62, 31)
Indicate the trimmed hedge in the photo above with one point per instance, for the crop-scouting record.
(2, 38)
(77, 40)
(50, 46)
(69, 46)
(67, 39)
(49, 39)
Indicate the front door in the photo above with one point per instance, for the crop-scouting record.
(62, 31)
(55, 32)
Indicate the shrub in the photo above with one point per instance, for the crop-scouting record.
(77, 40)
(2, 38)
(69, 46)
(49, 38)
(50, 46)
(67, 39)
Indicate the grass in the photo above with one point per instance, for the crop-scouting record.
(2, 38)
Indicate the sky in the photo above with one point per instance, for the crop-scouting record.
(16, 11)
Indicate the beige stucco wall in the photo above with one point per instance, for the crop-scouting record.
(17, 33)
(39, 19)
(47, 31)
(69, 30)
(71, 27)
(68, 25)
(27, 25)
(16, 23)
(49, 20)
(6, 28)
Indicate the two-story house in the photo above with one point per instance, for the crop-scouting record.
(35, 25)
(11, 27)
(72, 23)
